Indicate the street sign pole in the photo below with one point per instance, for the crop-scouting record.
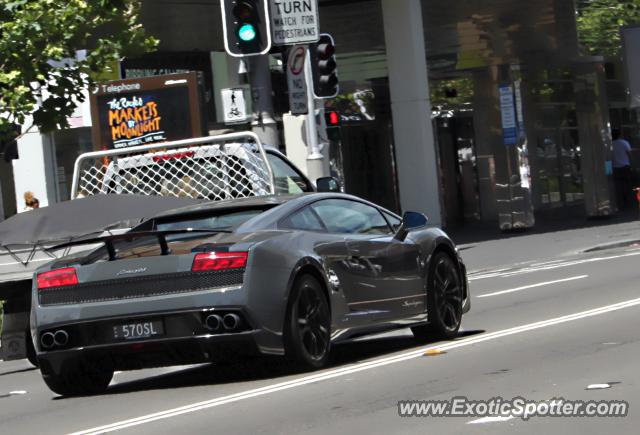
(295, 22)
(264, 123)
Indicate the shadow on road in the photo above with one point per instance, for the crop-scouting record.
(13, 372)
(264, 368)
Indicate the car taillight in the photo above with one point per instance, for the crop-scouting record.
(57, 278)
(219, 261)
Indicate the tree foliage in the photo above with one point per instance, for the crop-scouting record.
(451, 93)
(599, 23)
(53, 49)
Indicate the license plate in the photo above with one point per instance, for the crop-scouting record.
(136, 330)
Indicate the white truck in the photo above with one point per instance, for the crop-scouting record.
(209, 168)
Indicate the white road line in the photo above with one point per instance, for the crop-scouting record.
(335, 373)
(526, 287)
(501, 273)
(495, 419)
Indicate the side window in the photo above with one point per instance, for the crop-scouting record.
(351, 217)
(305, 220)
(393, 221)
(288, 180)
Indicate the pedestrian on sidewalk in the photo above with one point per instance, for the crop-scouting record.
(622, 175)
(30, 201)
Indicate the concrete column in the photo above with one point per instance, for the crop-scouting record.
(486, 123)
(503, 195)
(595, 141)
(415, 147)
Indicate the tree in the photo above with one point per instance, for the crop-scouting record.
(599, 23)
(451, 93)
(54, 49)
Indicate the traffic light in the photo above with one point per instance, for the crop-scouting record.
(333, 123)
(332, 118)
(246, 26)
(324, 67)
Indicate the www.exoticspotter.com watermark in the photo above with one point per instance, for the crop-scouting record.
(517, 407)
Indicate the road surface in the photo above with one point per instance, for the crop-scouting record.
(562, 327)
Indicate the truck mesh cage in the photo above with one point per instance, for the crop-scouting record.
(214, 168)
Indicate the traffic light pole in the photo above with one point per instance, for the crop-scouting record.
(315, 159)
(264, 124)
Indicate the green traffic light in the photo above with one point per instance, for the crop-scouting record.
(247, 32)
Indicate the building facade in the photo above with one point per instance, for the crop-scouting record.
(466, 111)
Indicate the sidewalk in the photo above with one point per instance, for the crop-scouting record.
(485, 246)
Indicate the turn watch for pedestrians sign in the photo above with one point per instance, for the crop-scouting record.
(294, 22)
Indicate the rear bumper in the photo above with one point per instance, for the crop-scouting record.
(184, 339)
(157, 352)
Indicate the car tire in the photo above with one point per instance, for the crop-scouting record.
(31, 350)
(307, 332)
(80, 378)
(444, 300)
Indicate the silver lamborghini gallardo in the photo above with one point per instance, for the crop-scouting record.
(278, 275)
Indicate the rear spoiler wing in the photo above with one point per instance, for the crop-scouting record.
(108, 241)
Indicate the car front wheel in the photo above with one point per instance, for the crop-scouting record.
(444, 300)
(308, 324)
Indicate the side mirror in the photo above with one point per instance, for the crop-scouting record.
(328, 184)
(410, 221)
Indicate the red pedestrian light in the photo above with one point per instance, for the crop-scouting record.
(333, 119)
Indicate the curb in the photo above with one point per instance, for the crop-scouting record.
(622, 244)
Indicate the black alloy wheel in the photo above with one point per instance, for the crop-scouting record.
(444, 300)
(80, 377)
(308, 332)
(32, 357)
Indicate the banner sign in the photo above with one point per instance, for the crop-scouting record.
(127, 113)
(508, 114)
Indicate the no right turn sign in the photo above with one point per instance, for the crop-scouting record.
(296, 80)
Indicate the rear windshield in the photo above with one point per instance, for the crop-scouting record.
(219, 221)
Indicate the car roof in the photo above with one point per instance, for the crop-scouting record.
(257, 202)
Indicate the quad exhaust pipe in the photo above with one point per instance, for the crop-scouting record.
(49, 340)
(61, 338)
(231, 321)
(213, 322)
(228, 322)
